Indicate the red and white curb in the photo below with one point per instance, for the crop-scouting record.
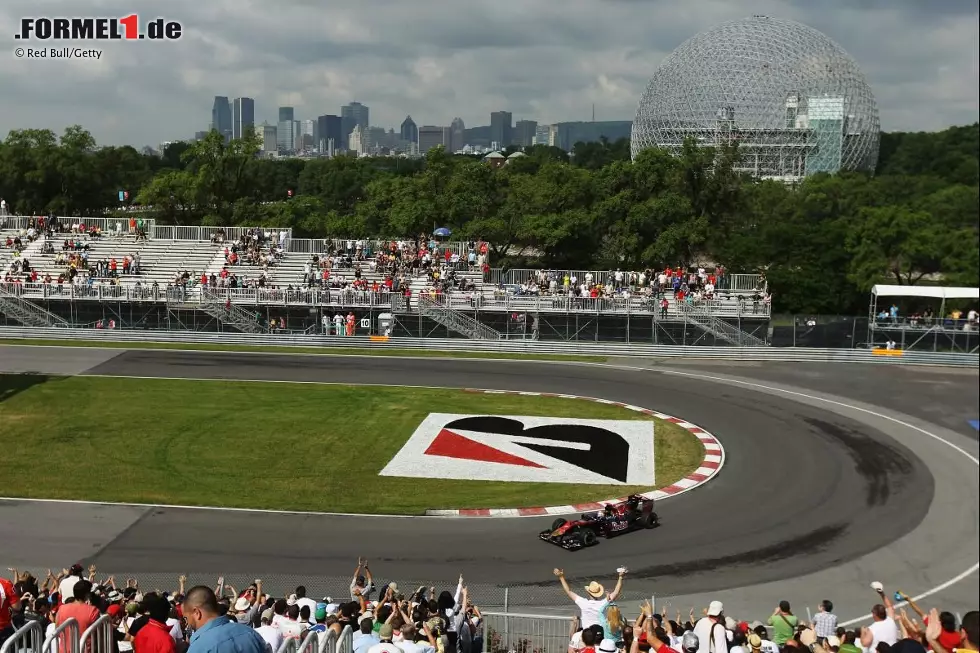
(714, 460)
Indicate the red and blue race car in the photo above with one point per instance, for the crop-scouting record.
(635, 513)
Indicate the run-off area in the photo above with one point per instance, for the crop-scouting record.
(321, 447)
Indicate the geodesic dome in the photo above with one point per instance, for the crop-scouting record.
(794, 101)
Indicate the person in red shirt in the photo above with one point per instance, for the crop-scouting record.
(154, 636)
(79, 609)
(8, 597)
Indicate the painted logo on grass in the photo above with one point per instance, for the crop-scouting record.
(528, 449)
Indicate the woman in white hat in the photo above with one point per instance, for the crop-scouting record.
(594, 603)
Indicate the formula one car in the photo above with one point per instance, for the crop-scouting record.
(634, 513)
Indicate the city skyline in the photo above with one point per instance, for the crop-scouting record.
(436, 65)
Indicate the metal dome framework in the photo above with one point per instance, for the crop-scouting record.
(794, 101)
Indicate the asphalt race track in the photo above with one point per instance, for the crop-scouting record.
(835, 476)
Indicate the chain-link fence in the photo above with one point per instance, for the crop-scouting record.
(545, 596)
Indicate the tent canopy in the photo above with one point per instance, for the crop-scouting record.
(936, 292)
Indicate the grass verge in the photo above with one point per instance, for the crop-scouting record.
(267, 445)
(321, 351)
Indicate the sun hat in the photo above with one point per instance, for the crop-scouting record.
(608, 646)
(755, 642)
(242, 604)
(595, 590)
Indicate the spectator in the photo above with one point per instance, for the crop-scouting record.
(969, 632)
(591, 608)
(8, 597)
(825, 621)
(710, 629)
(366, 637)
(883, 628)
(78, 609)
(269, 633)
(73, 575)
(783, 623)
(214, 633)
(385, 645)
(154, 637)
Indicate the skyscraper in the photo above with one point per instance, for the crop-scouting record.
(286, 114)
(329, 128)
(457, 136)
(430, 137)
(307, 135)
(286, 132)
(243, 116)
(501, 128)
(409, 130)
(269, 141)
(524, 132)
(221, 116)
(358, 113)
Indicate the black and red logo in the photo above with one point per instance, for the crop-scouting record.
(531, 449)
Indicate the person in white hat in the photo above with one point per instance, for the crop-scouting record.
(592, 605)
(711, 631)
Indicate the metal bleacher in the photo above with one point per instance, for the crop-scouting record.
(170, 251)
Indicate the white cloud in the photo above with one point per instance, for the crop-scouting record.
(436, 59)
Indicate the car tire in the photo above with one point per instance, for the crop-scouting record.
(649, 520)
(558, 523)
(589, 538)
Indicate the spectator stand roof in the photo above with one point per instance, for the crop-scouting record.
(936, 292)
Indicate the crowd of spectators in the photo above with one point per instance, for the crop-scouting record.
(423, 620)
(601, 627)
(926, 318)
(225, 620)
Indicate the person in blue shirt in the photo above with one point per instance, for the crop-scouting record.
(214, 633)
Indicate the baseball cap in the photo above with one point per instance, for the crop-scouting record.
(267, 615)
(114, 610)
(320, 612)
(386, 632)
(715, 608)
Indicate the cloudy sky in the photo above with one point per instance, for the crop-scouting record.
(436, 59)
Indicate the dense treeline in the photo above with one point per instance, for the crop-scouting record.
(823, 243)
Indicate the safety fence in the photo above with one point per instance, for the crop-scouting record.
(505, 632)
(28, 639)
(510, 347)
(326, 642)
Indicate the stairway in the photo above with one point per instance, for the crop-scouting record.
(28, 313)
(236, 316)
(459, 322)
(700, 317)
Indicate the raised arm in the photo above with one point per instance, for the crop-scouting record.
(619, 585)
(560, 573)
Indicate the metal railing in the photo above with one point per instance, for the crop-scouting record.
(102, 224)
(65, 638)
(529, 347)
(331, 642)
(461, 301)
(513, 276)
(28, 639)
(525, 633)
(98, 637)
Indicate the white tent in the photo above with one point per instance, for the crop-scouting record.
(936, 292)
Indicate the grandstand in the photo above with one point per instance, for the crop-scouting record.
(190, 268)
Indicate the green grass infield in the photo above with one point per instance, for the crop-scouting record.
(279, 446)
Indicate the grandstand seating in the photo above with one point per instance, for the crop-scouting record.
(171, 252)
